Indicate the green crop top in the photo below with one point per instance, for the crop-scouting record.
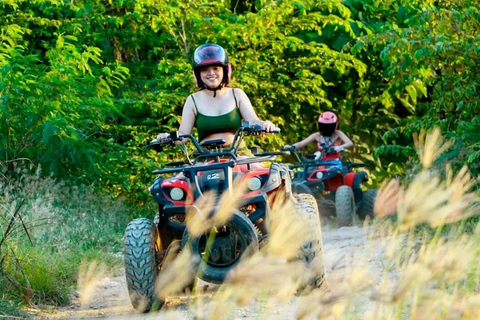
(228, 122)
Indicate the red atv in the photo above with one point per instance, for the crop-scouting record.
(337, 189)
(214, 169)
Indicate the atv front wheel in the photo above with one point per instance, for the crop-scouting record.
(236, 239)
(142, 242)
(299, 186)
(368, 203)
(345, 206)
(311, 252)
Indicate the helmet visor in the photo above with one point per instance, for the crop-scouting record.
(209, 54)
(326, 129)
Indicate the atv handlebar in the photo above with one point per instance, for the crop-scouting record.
(329, 149)
(309, 157)
(214, 148)
(289, 148)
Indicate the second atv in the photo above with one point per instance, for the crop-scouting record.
(338, 190)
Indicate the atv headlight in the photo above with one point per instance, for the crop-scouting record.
(254, 184)
(176, 194)
(319, 175)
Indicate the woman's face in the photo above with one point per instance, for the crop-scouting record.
(212, 76)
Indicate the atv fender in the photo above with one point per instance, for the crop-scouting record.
(354, 180)
(157, 192)
(279, 174)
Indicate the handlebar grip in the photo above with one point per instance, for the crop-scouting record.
(289, 148)
(258, 128)
(174, 135)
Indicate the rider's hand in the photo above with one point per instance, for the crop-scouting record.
(268, 126)
(289, 147)
(163, 137)
(338, 149)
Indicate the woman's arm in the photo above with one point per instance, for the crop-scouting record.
(188, 117)
(346, 142)
(248, 113)
(186, 124)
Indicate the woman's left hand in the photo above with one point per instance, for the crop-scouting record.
(267, 125)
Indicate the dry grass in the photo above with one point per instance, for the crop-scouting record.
(47, 229)
(89, 276)
(424, 276)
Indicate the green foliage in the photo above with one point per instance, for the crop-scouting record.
(9, 309)
(429, 53)
(54, 104)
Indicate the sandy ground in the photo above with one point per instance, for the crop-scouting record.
(344, 249)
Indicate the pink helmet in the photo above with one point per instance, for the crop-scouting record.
(327, 123)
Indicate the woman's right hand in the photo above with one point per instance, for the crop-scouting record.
(162, 137)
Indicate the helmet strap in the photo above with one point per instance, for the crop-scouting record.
(214, 89)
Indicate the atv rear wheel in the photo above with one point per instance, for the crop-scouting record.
(345, 206)
(237, 239)
(368, 203)
(142, 243)
(311, 252)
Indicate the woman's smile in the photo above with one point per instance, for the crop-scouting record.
(212, 75)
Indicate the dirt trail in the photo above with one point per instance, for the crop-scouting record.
(344, 248)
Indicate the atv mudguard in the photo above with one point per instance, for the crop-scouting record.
(354, 180)
(279, 174)
(157, 192)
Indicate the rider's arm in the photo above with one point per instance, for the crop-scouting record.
(188, 121)
(311, 138)
(346, 142)
(247, 112)
(188, 117)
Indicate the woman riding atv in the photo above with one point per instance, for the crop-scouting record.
(216, 110)
(329, 136)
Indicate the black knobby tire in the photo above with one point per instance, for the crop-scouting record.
(142, 242)
(311, 252)
(245, 234)
(306, 198)
(345, 206)
(368, 203)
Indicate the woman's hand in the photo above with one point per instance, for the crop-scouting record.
(289, 147)
(162, 137)
(268, 126)
(165, 137)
